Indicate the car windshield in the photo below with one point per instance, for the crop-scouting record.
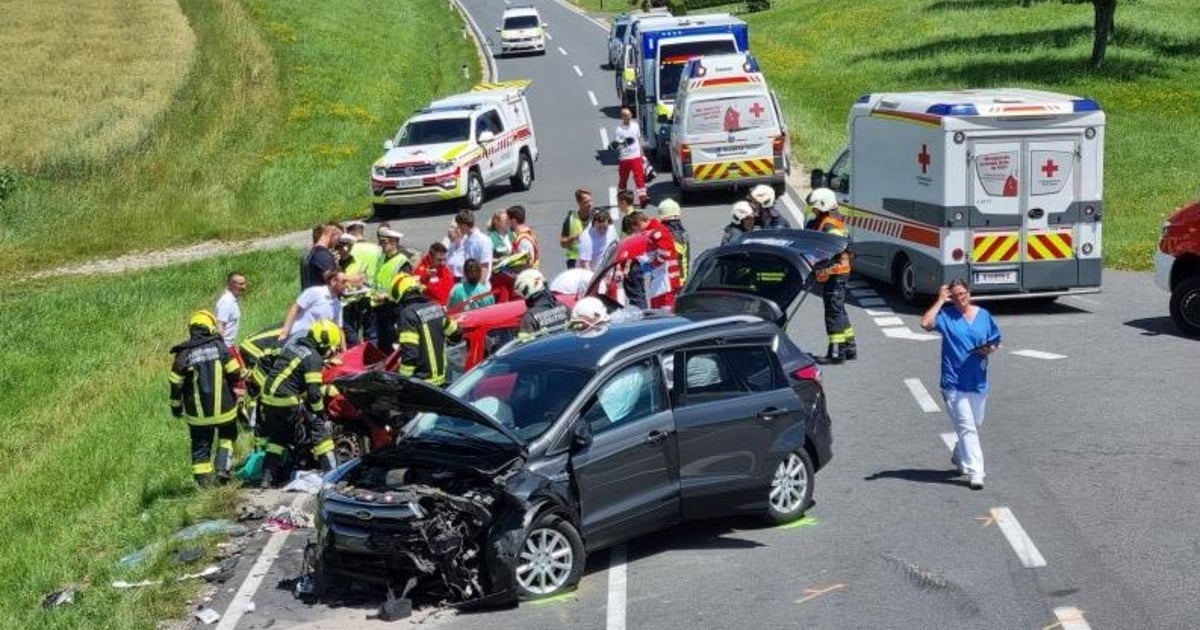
(524, 396)
(436, 131)
(672, 57)
(518, 22)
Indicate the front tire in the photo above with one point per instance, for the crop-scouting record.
(1185, 307)
(551, 558)
(522, 180)
(475, 190)
(791, 489)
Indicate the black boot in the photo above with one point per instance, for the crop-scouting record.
(204, 481)
(832, 356)
(850, 350)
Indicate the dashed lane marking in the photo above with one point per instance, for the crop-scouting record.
(875, 301)
(863, 293)
(562, 50)
(1020, 542)
(888, 321)
(604, 140)
(549, 37)
(1038, 354)
(1069, 618)
(813, 593)
(918, 391)
(902, 332)
(577, 70)
(592, 98)
(879, 312)
(950, 440)
(616, 589)
(267, 557)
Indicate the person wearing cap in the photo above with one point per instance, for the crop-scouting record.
(595, 240)
(202, 378)
(671, 216)
(356, 309)
(319, 258)
(425, 332)
(392, 263)
(574, 225)
(762, 199)
(842, 344)
(743, 221)
(661, 262)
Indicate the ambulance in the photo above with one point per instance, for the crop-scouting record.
(727, 131)
(1000, 187)
(457, 147)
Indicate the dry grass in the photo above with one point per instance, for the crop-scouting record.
(82, 82)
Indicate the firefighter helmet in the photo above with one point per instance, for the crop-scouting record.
(669, 209)
(742, 211)
(204, 320)
(764, 195)
(327, 335)
(823, 200)
(529, 282)
(588, 313)
(403, 285)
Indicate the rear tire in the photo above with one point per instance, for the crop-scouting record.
(522, 180)
(551, 558)
(1185, 307)
(905, 280)
(791, 489)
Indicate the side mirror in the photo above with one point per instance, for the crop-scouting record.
(486, 137)
(581, 436)
(388, 145)
(817, 178)
(840, 184)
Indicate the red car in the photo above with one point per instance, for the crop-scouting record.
(1177, 266)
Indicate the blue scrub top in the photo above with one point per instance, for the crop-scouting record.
(963, 369)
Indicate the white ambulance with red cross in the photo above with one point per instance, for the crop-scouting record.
(457, 147)
(1000, 187)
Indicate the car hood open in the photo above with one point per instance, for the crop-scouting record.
(765, 273)
(385, 394)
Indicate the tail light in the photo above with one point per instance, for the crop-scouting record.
(777, 144)
(685, 153)
(957, 254)
(811, 372)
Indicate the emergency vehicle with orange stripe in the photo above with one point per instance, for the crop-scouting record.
(457, 147)
(727, 131)
(1001, 187)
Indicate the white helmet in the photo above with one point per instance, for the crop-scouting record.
(669, 209)
(742, 211)
(588, 313)
(764, 195)
(823, 200)
(529, 282)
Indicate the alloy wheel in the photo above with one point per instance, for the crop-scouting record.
(546, 561)
(790, 485)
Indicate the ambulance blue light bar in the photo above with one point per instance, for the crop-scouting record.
(956, 109)
(1085, 105)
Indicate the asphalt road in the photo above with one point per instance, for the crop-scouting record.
(1091, 441)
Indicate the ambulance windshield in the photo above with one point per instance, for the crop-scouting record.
(672, 57)
(436, 131)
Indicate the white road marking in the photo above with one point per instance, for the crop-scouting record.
(878, 312)
(871, 301)
(797, 213)
(562, 50)
(603, 138)
(616, 588)
(1029, 555)
(917, 389)
(1084, 300)
(863, 293)
(950, 439)
(576, 10)
(577, 70)
(549, 37)
(592, 98)
(268, 555)
(1071, 618)
(888, 321)
(898, 332)
(1038, 354)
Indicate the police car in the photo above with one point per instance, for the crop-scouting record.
(522, 30)
(458, 146)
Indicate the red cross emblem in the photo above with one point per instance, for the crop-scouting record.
(757, 110)
(1050, 168)
(923, 158)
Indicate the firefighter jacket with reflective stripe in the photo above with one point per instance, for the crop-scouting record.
(683, 247)
(388, 268)
(542, 311)
(202, 378)
(424, 330)
(831, 224)
(294, 377)
(527, 236)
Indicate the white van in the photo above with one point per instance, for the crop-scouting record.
(1001, 187)
(727, 130)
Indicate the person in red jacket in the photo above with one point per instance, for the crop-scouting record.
(662, 262)
(435, 274)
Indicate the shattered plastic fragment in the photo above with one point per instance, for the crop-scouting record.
(207, 615)
(209, 570)
(123, 584)
(208, 528)
(60, 598)
(136, 558)
(188, 555)
(306, 482)
(286, 518)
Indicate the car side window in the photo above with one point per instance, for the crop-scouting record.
(709, 376)
(632, 393)
(489, 121)
(757, 368)
(839, 174)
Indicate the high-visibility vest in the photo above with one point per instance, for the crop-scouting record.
(527, 236)
(833, 225)
(387, 270)
(574, 226)
(366, 259)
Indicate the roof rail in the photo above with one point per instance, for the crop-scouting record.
(693, 326)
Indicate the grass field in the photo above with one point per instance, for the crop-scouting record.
(95, 466)
(275, 128)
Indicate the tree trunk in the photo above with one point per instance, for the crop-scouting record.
(1105, 28)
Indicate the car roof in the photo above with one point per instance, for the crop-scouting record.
(597, 348)
(519, 11)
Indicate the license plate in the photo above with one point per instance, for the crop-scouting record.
(995, 277)
(411, 182)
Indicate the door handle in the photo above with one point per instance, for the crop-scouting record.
(654, 437)
(769, 413)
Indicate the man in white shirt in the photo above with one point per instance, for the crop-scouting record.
(229, 310)
(476, 244)
(595, 240)
(314, 304)
(627, 142)
(572, 282)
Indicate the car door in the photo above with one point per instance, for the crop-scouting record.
(732, 405)
(627, 477)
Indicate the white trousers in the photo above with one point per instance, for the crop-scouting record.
(966, 414)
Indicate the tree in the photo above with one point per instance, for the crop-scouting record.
(1104, 29)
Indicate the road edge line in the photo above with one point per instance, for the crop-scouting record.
(583, 14)
(485, 53)
(617, 585)
(254, 578)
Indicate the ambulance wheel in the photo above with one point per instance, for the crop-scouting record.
(1185, 307)
(523, 179)
(474, 190)
(904, 277)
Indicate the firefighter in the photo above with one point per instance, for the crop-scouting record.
(743, 221)
(762, 199)
(833, 279)
(257, 350)
(671, 215)
(425, 331)
(202, 379)
(292, 382)
(542, 309)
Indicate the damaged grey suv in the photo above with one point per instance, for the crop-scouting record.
(554, 448)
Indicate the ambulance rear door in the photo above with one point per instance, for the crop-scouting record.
(731, 135)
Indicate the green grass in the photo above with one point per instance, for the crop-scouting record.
(275, 128)
(820, 57)
(95, 466)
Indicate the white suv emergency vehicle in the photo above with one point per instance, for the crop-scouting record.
(457, 147)
(522, 30)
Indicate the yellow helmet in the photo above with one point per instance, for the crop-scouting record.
(327, 335)
(404, 284)
(205, 320)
